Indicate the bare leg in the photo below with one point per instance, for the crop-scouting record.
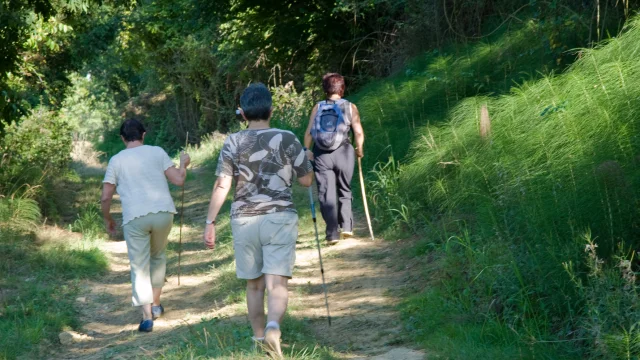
(255, 305)
(156, 296)
(278, 297)
(146, 312)
(277, 301)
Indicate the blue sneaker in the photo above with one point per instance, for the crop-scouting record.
(146, 326)
(157, 311)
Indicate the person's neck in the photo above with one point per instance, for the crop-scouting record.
(258, 125)
(335, 97)
(134, 144)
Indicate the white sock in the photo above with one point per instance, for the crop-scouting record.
(273, 324)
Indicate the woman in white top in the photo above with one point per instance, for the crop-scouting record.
(139, 173)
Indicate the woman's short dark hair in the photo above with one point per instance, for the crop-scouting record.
(132, 130)
(333, 83)
(256, 102)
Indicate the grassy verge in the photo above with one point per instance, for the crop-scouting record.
(39, 285)
(535, 226)
(40, 269)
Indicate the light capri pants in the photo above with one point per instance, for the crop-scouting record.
(147, 238)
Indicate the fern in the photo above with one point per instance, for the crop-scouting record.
(19, 213)
(625, 345)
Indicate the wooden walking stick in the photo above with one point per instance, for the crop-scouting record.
(186, 143)
(364, 198)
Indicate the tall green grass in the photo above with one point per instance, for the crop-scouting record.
(510, 215)
(431, 85)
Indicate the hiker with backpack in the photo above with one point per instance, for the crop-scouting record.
(264, 162)
(333, 155)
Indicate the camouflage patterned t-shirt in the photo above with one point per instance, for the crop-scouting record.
(264, 163)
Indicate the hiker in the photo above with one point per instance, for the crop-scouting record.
(139, 173)
(333, 155)
(263, 162)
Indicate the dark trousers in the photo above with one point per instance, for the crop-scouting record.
(334, 171)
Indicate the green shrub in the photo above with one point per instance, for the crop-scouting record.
(34, 154)
(89, 222)
(109, 144)
(18, 213)
(291, 109)
(206, 153)
(610, 298)
(90, 107)
(42, 141)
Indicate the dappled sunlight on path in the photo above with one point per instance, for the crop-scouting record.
(362, 277)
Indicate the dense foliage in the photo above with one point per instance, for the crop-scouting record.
(180, 64)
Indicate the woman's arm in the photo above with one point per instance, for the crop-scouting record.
(177, 175)
(220, 191)
(306, 180)
(308, 140)
(219, 195)
(105, 201)
(358, 132)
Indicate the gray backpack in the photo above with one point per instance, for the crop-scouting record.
(330, 126)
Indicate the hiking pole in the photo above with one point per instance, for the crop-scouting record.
(315, 225)
(364, 198)
(186, 143)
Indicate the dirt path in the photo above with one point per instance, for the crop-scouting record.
(362, 277)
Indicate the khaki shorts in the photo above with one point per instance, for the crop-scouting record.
(265, 244)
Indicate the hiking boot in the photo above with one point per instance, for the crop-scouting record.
(332, 241)
(146, 326)
(157, 311)
(272, 342)
(346, 235)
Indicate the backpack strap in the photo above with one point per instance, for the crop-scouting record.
(351, 138)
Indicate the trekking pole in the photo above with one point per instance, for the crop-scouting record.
(364, 198)
(315, 225)
(186, 143)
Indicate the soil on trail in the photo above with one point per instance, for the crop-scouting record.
(362, 277)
